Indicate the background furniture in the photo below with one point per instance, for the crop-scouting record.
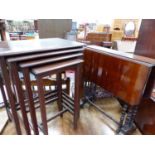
(117, 35)
(21, 36)
(2, 30)
(119, 25)
(97, 38)
(107, 44)
(54, 28)
(145, 118)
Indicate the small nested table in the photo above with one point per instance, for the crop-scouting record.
(39, 52)
(68, 103)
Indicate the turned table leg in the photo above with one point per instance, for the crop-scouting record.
(122, 118)
(128, 125)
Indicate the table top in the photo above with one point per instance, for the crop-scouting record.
(51, 67)
(135, 58)
(10, 48)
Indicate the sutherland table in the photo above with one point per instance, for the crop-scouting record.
(14, 52)
(127, 76)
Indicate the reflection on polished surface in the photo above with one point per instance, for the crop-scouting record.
(30, 46)
(122, 76)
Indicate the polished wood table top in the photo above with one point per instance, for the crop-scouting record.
(49, 60)
(10, 48)
(50, 67)
(135, 58)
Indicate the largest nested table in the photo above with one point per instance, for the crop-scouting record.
(14, 52)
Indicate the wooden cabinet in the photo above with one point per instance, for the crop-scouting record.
(97, 38)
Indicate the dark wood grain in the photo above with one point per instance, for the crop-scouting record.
(39, 52)
(12, 101)
(52, 67)
(42, 105)
(20, 96)
(145, 46)
(127, 56)
(145, 118)
(44, 55)
(97, 38)
(57, 68)
(33, 63)
(30, 100)
(126, 76)
(77, 94)
(10, 48)
(123, 76)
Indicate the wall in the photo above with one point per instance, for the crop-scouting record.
(49, 28)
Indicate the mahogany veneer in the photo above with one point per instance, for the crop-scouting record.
(123, 75)
(126, 76)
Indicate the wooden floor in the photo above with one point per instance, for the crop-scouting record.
(3, 119)
(91, 121)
